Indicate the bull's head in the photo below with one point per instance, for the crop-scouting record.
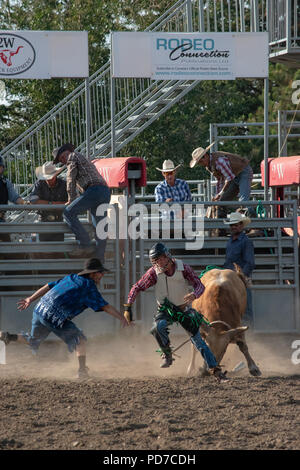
(218, 339)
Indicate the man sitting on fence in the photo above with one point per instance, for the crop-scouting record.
(94, 191)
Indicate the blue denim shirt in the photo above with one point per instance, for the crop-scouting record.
(241, 252)
(12, 193)
(67, 298)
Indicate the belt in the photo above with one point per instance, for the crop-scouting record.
(91, 185)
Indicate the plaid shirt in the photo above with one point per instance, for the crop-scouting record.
(180, 192)
(223, 166)
(150, 279)
(81, 173)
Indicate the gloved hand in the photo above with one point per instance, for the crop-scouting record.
(128, 312)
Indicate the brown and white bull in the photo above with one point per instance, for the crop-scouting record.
(223, 304)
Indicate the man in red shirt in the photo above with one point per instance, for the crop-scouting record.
(172, 279)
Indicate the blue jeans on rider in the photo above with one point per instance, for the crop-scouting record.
(162, 330)
(89, 200)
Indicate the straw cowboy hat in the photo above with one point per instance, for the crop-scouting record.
(168, 165)
(93, 265)
(236, 218)
(47, 171)
(198, 153)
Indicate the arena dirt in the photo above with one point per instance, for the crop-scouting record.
(130, 403)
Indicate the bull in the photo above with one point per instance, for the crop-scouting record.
(223, 303)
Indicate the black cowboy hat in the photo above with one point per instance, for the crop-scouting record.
(58, 151)
(93, 265)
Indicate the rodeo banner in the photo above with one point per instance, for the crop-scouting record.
(189, 56)
(203, 56)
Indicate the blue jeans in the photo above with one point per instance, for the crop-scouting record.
(40, 330)
(240, 185)
(162, 335)
(89, 200)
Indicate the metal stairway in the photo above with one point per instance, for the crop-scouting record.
(139, 102)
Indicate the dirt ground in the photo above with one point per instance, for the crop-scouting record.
(129, 403)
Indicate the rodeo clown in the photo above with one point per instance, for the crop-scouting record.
(172, 278)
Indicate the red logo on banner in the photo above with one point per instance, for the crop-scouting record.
(6, 55)
(17, 54)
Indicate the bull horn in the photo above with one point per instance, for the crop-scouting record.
(221, 322)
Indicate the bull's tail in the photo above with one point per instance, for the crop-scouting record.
(240, 273)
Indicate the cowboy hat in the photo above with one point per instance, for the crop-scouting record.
(93, 265)
(168, 165)
(236, 218)
(58, 151)
(198, 153)
(47, 171)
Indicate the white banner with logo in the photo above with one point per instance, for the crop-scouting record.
(189, 56)
(43, 54)
(182, 57)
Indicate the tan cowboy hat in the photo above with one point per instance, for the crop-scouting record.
(198, 153)
(168, 165)
(47, 171)
(236, 218)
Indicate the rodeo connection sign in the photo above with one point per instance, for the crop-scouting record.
(44, 54)
(189, 56)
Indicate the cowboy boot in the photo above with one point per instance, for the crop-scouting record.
(167, 357)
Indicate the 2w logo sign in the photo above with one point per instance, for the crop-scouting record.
(17, 54)
(6, 42)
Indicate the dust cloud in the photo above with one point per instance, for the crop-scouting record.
(131, 354)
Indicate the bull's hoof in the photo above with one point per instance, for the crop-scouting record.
(255, 371)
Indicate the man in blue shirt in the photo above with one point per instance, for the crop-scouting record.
(60, 302)
(240, 250)
(172, 189)
(7, 193)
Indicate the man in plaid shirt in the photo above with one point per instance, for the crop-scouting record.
(172, 189)
(233, 173)
(172, 279)
(83, 175)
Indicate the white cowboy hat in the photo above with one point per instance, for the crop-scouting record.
(168, 165)
(236, 218)
(47, 171)
(198, 153)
